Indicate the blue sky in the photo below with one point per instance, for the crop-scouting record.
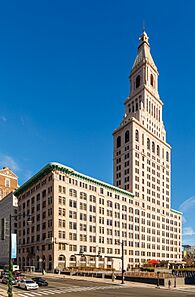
(64, 69)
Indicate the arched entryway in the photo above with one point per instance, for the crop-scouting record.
(72, 261)
(61, 262)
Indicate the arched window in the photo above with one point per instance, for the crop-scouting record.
(83, 196)
(73, 192)
(118, 141)
(137, 84)
(148, 143)
(151, 80)
(61, 258)
(167, 156)
(163, 153)
(72, 258)
(153, 147)
(157, 113)
(136, 135)
(127, 136)
(133, 109)
(158, 150)
(83, 258)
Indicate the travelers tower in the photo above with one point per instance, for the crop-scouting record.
(141, 153)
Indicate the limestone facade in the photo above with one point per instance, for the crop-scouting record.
(73, 213)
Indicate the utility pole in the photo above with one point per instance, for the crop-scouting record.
(122, 258)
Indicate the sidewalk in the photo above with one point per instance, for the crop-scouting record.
(3, 292)
(107, 281)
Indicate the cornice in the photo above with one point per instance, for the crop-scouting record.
(53, 166)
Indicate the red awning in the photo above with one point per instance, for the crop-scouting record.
(154, 262)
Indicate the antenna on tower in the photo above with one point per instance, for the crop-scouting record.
(143, 25)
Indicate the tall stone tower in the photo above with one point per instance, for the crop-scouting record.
(141, 153)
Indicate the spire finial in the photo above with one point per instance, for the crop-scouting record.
(143, 25)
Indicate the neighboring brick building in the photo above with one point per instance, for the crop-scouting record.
(8, 205)
(8, 182)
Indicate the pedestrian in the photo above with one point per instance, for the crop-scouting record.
(169, 283)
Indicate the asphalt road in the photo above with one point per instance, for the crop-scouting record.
(82, 288)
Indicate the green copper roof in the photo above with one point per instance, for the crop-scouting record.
(176, 211)
(57, 166)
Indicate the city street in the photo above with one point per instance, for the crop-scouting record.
(77, 288)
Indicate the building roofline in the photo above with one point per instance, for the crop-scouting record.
(68, 170)
(176, 211)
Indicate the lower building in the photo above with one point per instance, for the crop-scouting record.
(8, 182)
(75, 217)
(8, 206)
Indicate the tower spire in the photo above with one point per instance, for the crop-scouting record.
(144, 54)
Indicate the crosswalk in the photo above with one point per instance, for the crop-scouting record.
(186, 290)
(64, 290)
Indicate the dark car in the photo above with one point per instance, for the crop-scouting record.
(40, 281)
(4, 273)
(5, 280)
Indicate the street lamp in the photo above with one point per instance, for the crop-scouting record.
(122, 259)
(10, 278)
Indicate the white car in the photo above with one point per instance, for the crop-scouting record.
(28, 284)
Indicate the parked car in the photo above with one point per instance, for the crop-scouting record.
(40, 281)
(28, 284)
(5, 280)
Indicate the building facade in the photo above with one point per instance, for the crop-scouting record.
(76, 217)
(73, 213)
(8, 182)
(8, 205)
(142, 160)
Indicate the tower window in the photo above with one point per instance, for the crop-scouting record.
(152, 80)
(158, 150)
(136, 135)
(153, 147)
(148, 143)
(167, 156)
(136, 105)
(127, 136)
(137, 83)
(118, 142)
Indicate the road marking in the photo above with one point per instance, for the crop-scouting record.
(48, 291)
(35, 293)
(186, 290)
(26, 294)
(67, 290)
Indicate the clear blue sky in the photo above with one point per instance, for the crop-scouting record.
(64, 69)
